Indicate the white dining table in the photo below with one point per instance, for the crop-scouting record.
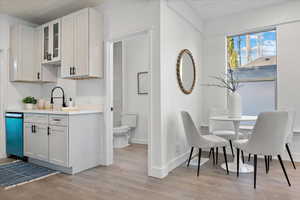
(232, 166)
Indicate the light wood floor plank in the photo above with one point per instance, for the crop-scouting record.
(127, 179)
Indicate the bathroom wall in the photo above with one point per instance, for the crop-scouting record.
(136, 52)
(118, 85)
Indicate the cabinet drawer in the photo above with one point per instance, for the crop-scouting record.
(36, 118)
(58, 120)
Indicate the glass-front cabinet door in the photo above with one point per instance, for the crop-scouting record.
(46, 39)
(56, 32)
(51, 42)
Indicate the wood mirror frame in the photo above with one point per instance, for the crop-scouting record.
(179, 71)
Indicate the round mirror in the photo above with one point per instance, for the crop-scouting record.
(186, 71)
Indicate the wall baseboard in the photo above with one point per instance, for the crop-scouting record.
(179, 160)
(171, 165)
(3, 156)
(138, 141)
(157, 172)
(296, 157)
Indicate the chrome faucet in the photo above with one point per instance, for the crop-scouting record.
(63, 97)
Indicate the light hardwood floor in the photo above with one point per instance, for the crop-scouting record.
(127, 179)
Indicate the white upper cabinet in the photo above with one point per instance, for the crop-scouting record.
(74, 42)
(22, 57)
(43, 73)
(51, 36)
(67, 63)
(25, 56)
(82, 45)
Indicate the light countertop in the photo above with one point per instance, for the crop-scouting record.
(58, 112)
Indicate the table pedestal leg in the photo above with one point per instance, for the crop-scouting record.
(232, 167)
(244, 168)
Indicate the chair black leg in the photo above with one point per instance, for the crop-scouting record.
(282, 166)
(217, 155)
(291, 157)
(243, 159)
(199, 159)
(192, 149)
(249, 157)
(225, 157)
(255, 169)
(231, 148)
(209, 153)
(266, 163)
(238, 162)
(213, 154)
(269, 157)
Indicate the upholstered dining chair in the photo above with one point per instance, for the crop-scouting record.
(197, 140)
(268, 139)
(289, 139)
(222, 129)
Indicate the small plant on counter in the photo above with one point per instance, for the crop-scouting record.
(29, 100)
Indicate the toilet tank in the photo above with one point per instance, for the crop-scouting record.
(129, 120)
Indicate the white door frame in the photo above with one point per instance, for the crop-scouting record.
(3, 85)
(109, 95)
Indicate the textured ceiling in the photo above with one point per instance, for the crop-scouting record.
(41, 11)
(208, 9)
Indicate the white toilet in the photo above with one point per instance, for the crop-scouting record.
(122, 133)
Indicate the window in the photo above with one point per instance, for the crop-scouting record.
(252, 57)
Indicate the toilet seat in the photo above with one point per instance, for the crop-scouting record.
(121, 129)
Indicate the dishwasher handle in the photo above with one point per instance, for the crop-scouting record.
(14, 115)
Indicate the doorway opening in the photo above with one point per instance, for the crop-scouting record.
(129, 97)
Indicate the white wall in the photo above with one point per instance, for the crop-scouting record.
(178, 34)
(216, 31)
(288, 42)
(13, 92)
(136, 57)
(118, 84)
(124, 18)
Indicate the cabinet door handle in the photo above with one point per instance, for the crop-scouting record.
(70, 70)
(32, 129)
(74, 70)
(49, 56)
(38, 75)
(48, 131)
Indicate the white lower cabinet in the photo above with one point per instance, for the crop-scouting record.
(70, 143)
(29, 140)
(46, 142)
(58, 145)
(41, 142)
(36, 141)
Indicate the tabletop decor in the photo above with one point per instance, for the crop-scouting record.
(29, 102)
(234, 101)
